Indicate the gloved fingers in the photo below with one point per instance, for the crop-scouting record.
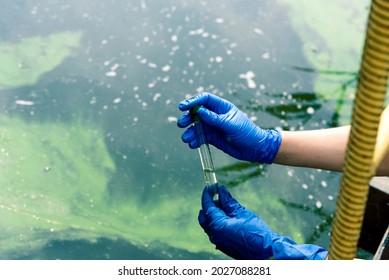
(197, 100)
(212, 221)
(207, 100)
(201, 218)
(205, 115)
(207, 202)
(228, 204)
(209, 117)
(185, 120)
(210, 217)
(189, 137)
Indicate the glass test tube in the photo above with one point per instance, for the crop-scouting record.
(206, 158)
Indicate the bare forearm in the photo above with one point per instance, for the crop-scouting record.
(323, 149)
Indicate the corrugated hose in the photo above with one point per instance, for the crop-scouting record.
(369, 135)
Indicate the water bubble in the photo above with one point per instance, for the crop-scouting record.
(249, 78)
(199, 31)
(296, 85)
(115, 66)
(290, 172)
(265, 55)
(166, 68)
(24, 102)
(172, 119)
(152, 65)
(310, 110)
(200, 89)
(111, 74)
(156, 96)
(117, 100)
(218, 59)
(174, 38)
(258, 31)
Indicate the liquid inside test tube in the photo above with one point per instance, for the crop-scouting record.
(206, 161)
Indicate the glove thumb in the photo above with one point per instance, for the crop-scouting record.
(208, 117)
(228, 204)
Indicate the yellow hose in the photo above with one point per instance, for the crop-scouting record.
(382, 144)
(359, 166)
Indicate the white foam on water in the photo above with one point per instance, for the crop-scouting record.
(24, 102)
(117, 100)
(248, 76)
(310, 110)
(156, 96)
(166, 68)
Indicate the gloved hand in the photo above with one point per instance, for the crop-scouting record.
(241, 234)
(228, 129)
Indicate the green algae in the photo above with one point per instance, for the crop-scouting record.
(45, 173)
(54, 187)
(332, 35)
(24, 62)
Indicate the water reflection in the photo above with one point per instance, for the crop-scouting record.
(344, 87)
(104, 249)
(102, 118)
(326, 219)
(238, 173)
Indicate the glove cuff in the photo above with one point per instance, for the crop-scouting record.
(285, 248)
(269, 146)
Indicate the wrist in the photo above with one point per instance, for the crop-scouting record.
(268, 146)
(285, 248)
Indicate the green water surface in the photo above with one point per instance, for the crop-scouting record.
(92, 162)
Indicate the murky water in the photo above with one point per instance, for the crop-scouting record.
(91, 158)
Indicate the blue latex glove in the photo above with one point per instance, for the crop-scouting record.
(241, 234)
(228, 129)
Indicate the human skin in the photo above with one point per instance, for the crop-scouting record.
(322, 149)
